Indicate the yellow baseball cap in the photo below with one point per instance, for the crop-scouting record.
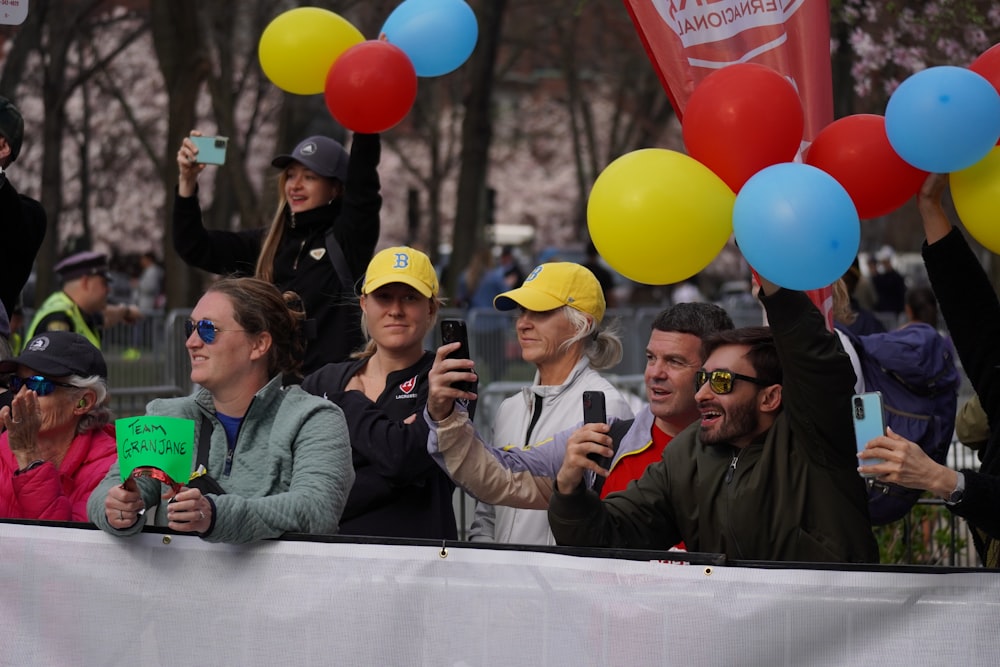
(401, 264)
(553, 285)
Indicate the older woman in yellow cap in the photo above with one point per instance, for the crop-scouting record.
(398, 491)
(559, 331)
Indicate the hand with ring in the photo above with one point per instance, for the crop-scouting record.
(189, 511)
(123, 505)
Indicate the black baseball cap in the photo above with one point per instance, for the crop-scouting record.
(11, 126)
(57, 354)
(322, 155)
(86, 263)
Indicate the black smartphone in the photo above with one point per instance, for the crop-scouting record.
(594, 412)
(455, 331)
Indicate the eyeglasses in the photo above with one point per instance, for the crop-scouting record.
(206, 330)
(39, 384)
(721, 381)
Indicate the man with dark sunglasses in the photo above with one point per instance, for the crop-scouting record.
(769, 472)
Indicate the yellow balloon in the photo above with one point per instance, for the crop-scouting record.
(298, 47)
(976, 192)
(658, 216)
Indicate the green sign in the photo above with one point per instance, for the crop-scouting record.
(166, 443)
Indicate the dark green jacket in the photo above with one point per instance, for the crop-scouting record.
(794, 496)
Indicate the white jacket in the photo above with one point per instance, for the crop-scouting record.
(561, 408)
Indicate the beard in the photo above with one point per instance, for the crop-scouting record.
(738, 421)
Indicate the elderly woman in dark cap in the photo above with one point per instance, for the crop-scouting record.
(58, 443)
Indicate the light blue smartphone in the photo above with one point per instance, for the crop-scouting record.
(211, 150)
(869, 421)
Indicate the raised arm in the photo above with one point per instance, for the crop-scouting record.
(936, 223)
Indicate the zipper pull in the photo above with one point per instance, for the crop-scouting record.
(292, 220)
(732, 467)
(295, 264)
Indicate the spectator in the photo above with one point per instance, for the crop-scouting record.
(767, 474)
(860, 287)
(687, 292)
(971, 311)
(523, 478)
(889, 284)
(319, 242)
(603, 276)
(82, 303)
(22, 219)
(277, 458)
(479, 284)
(59, 443)
(398, 490)
(149, 289)
(559, 332)
(859, 318)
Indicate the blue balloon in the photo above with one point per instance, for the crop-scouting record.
(943, 119)
(796, 226)
(437, 35)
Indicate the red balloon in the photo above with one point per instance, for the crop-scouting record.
(856, 152)
(987, 65)
(742, 118)
(371, 87)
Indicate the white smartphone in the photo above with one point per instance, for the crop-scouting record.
(869, 421)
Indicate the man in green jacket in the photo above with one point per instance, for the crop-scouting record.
(768, 473)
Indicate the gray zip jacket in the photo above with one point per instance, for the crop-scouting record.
(290, 472)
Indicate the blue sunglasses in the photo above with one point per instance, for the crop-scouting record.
(206, 330)
(39, 384)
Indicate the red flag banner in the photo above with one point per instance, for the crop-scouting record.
(689, 39)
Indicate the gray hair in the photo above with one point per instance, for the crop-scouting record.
(100, 414)
(602, 347)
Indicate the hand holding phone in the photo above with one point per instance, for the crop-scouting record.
(455, 331)
(869, 422)
(211, 150)
(594, 412)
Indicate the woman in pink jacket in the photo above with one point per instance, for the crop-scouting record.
(58, 443)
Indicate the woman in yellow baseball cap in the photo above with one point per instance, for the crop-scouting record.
(398, 491)
(560, 332)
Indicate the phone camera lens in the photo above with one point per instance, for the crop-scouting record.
(219, 143)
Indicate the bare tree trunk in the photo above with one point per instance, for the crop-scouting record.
(183, 64)
(477, 133)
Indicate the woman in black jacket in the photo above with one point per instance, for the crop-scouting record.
(321, 238)
(399, 491)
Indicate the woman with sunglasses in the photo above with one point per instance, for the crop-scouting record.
(399, 491)
(279, 458)
(58, 443)
(319, 241)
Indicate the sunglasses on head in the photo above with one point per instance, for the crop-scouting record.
(39, 384)
(721, 381)
(206, 329)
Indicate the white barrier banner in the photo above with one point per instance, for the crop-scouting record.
(80, 597)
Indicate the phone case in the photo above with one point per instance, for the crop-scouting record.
(211, 150)
(869, 420)
(594, 411)
(452, 331)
